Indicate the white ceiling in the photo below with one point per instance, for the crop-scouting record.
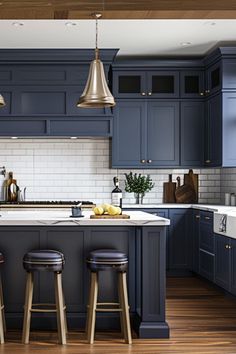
(133, 37)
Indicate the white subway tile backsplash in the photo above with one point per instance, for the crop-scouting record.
(80, 169)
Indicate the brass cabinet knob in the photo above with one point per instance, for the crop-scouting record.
(207, 91)
(143, 93)
(226, 246)
(208, 161)
(201, 93)
(149, 93)
(229, 247)
(207, 218)
(149, 161)
(143, 161)
(197, 216)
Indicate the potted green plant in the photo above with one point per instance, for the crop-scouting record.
(138, 184)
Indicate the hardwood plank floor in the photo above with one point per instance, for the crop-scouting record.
(202, 321)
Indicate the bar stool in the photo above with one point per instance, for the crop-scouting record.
(51, 261)
(2, 314)
(100, 260)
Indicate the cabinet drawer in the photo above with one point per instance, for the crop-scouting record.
(206, 265)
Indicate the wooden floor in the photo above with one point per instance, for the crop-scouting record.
(201, 318)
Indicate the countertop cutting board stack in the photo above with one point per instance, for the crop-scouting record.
(186, 193)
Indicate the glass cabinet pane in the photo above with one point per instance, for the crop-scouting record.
(191, 84)
(163, 84)
(215, 78)
(129, 84)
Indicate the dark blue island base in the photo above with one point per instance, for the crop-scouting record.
(145, 247)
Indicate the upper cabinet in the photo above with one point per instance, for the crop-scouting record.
(192, 84)
(213, 79)
(145, 134)
(144, 83)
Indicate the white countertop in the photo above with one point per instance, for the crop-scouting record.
(62, 218)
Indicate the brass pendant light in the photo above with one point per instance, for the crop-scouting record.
(2, 101)
(96, 93)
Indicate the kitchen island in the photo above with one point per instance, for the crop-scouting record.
(142, 237)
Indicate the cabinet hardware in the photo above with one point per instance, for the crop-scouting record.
(207, 91)
(201, 93)
(208, 161)
(197, 216)
(229, 247)
(207, 218)
(149, 93)
(149, 161)
(143, 161)
(143, 94)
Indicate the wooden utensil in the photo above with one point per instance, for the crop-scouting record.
(169, 191)
(192, 180)
(106, 216)
(184, 193)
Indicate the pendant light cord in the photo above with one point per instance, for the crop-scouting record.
(96, 39)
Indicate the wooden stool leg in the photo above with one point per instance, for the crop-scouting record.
(91, 316)
(125, 308)
(2, 317)
(60, 309)
(122, 324)
(66, 326)
(2, 306)
(27, 308)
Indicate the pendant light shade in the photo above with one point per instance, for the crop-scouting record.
(2, 101)
(96, 93)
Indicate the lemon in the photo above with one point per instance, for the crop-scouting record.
(98, 210)
(105, 206)
(112, 210)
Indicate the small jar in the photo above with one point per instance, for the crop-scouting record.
(227, 198)
(232, 199)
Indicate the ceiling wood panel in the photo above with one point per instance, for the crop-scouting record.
(117, 9)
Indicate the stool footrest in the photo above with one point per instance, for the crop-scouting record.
(108, 310)
(39, 309)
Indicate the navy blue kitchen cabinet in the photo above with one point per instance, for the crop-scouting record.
(146, 83)
(145, 134)
(129, 140)
(179, 244)
(223, 261)
(192, 84)
(195, 232)
(213, 78)
(228, 129)
(192, 123)
(213, 132)
(233, 266)
(206, 246)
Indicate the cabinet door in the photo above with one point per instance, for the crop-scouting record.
(195, 240)
(129, 139)
(192, 133)
(206, 237)
(192, 84)
(163, 134)
(213, 136)
(179, 240)
(163, 84)
(233, 266)
(206, 265)
(214, 79)
(129, 84)
(222, 261)
(229, 142)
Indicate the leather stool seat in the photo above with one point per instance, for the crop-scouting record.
(1, 258)
(104, 259)
(44, 260)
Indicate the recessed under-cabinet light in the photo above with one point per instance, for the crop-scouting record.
(14, 137)
(73, 137)
(17, 24)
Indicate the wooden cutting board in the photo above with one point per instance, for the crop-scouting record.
(105, 216)
(169, 191)
(184, 193)
(192, 180)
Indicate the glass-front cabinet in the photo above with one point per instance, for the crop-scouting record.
(214, 79)
(136, 84)
(192, 84)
